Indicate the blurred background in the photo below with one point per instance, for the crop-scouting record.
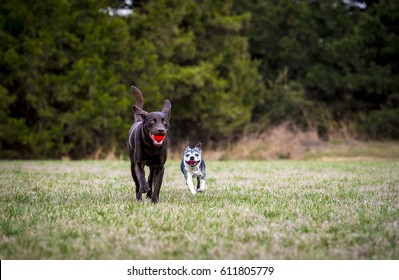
(249, 79)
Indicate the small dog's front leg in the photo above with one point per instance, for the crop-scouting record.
(189, 184)
(201, 185)
(139, 170)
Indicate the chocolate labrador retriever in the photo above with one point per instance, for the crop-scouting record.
(147, 145)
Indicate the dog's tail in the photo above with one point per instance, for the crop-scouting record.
(139, 102)
(138, 96)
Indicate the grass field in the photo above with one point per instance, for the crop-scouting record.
(250, 210)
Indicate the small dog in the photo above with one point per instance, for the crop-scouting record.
(147, 145)
(193, 166)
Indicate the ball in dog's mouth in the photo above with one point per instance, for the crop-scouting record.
(157, 139)
(192, 163)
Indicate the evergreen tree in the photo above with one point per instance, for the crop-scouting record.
(368, 60)
(59, 70)
(201, 61)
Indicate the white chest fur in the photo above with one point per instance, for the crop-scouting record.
(194, 172)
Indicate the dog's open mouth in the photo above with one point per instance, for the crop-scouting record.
(192, 163)
(157, 139)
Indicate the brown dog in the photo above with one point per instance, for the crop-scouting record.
(147, 145)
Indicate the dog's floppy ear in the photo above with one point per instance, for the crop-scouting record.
(166, 107)
(140, 112)
(199, 146)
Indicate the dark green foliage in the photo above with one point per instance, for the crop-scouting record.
(201, 62)
(368, 60)
(378, 124)
(66, 68)
(61, 65)
(344, 58)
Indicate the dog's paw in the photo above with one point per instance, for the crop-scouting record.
(145, 189)
(190, 186)
(191, 189)
(201, 186)
(193, 192)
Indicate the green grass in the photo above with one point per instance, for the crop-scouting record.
(250, 210)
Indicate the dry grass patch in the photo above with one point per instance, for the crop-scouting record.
(288, 142)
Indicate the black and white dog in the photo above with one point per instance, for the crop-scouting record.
(193, 166)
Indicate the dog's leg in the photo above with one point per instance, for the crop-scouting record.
(139, 170)
(189, 183)
(201, 184)
(158, 177)
(150, 182)
(136, 181)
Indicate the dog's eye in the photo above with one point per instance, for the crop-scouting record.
(164, 122)
(196, 155)
(153, 121)
(187, 155)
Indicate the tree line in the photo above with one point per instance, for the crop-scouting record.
(66, 67)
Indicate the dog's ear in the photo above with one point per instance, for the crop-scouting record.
(138, 111)
(199, 146)
(166, 107)
(187, 147)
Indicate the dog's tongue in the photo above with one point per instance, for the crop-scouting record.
(192, 162)
(159, 138)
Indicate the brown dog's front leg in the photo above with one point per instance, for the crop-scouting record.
(136, 181)
(158, 177)
(150, 182)
(139, 170)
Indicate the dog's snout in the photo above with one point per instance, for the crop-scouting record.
(192, 158)
(162, 131)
